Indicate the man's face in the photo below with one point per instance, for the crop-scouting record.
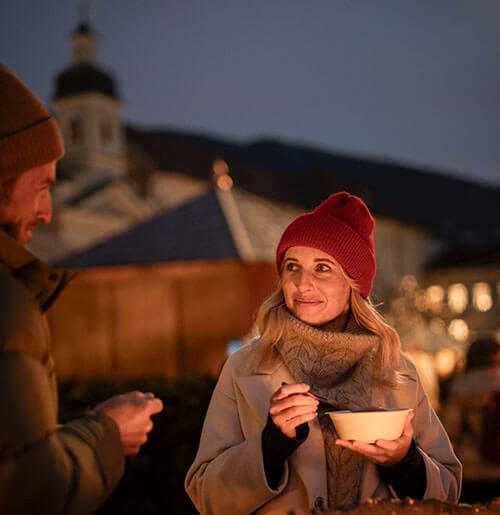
(28, 204)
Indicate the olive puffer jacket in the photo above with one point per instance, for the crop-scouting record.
(45, 468)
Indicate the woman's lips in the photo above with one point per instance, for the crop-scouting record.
(307, 302)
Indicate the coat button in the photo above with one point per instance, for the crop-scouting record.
(319, 503)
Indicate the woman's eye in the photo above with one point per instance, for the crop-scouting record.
(291, 267)
(323, 268)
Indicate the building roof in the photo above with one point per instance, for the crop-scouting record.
(84, 78)
(454, 209)
(196, 230)
(84, 28)
(466, 257)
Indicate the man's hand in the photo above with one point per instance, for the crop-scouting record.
(384, 452)
(132, 413)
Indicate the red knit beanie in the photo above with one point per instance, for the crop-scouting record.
(342, 227)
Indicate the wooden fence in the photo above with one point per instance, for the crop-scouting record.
(168, 319)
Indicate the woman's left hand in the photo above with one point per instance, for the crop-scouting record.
(384, 452)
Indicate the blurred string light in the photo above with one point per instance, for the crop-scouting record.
(458, 329)
(481, 297)
(458, 297)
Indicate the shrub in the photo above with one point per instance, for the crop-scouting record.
(154, 479)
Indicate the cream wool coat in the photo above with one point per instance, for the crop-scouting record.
(228, 477)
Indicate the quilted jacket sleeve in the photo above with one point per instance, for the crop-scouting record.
(46, 468)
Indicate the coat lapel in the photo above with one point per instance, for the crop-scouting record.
(257, 389)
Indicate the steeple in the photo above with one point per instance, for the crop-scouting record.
(84, 45)
(88, 110)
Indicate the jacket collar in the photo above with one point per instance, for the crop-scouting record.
(259, 360)
(43, 283)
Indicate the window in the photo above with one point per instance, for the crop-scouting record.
(481, 297)
(434, 296)
(458, 297)
(106, 132)
(76, 129)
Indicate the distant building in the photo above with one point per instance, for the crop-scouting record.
(458, 293)
(88, 110)
(94, 198)
(128, 196)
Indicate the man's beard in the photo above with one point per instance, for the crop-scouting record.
(13, 230)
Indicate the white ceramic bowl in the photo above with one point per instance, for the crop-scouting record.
(369, 426)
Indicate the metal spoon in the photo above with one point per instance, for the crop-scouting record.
(319, 398)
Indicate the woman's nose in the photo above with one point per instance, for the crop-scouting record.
(303, 281)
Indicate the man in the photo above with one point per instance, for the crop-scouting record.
(45, 468)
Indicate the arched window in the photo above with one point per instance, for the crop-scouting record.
(76, 129)
(106, 132)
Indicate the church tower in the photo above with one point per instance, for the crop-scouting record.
(88, 110)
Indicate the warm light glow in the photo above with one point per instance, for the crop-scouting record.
(458, 329)
(220, 175)
(444, 362)
(437, 325)
(224, 182)
(458, 297)
(398, 306)
(481, 297)
(409, 283)
(220, 167)
(434, 296)
(420, 301)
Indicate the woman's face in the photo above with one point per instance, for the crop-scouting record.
(314, 285)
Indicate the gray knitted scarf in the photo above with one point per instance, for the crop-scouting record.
(337, 362)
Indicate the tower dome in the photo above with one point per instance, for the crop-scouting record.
(88, 109)
(84, 75)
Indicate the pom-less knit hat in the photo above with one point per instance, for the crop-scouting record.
(29, 135)
(342, 227)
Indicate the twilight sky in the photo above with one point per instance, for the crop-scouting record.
(414, 81)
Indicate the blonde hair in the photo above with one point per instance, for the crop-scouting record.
(271, 319)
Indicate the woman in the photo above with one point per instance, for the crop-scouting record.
(266, 446)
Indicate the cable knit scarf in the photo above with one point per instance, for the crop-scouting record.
(337, 365)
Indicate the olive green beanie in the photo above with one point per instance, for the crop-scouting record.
(29, 135)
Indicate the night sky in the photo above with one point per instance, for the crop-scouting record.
(413, 81)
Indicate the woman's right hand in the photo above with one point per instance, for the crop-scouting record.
(290, 408)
